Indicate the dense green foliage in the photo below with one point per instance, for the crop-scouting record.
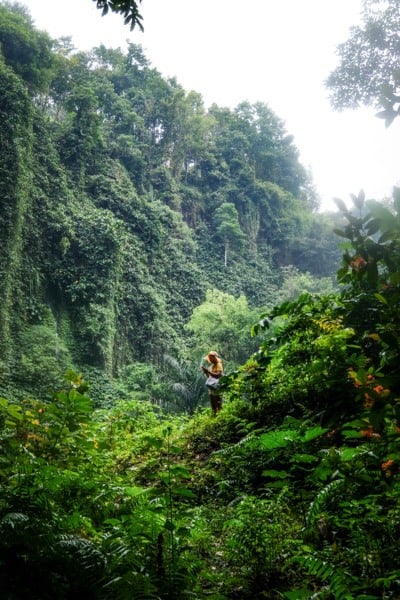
(292, 491)
(368, 71)
(138, 230)
(123, 201)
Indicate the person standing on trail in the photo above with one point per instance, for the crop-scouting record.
(213, 373)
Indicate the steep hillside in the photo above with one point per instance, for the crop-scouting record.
(123, 200)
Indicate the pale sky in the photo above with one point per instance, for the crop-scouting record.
(274, 51)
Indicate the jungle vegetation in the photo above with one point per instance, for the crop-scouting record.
(124, 201)
(139, 230)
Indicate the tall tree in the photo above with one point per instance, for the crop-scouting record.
(271, 149)
(228, 227)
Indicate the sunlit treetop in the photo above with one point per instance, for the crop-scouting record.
(128, 8)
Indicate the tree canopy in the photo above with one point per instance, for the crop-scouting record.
(122, 196)
(368, 71)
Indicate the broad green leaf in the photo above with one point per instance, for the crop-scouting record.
(313, 433)
(165, 477)
(357, 422)
(359, 200)
(278, 439)
(341, 205)
(113, 522)
(387, 236)
(351, 434)
(14, 413)
(275, 474)
(134, 491)
(183, 491)
(381, 214)
(180, 470)
(279, 484)
(341, 233)
(322, 473)
(381, 298)
(347, 454)
(373, 226)
(388, 115)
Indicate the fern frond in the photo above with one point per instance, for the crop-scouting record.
(322, 499)
(121, 555)
(80, 549)
(340, 582)
(171, 362)
(13, 520)
(181, 389)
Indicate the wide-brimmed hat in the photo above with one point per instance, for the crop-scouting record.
(212, 353)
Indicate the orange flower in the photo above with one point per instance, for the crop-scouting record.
(386, 467)
(369, 432)
(388, 463)
(357, 263)
(378, 389)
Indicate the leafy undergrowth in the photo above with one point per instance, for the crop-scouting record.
(128, 503)
(291, 491)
